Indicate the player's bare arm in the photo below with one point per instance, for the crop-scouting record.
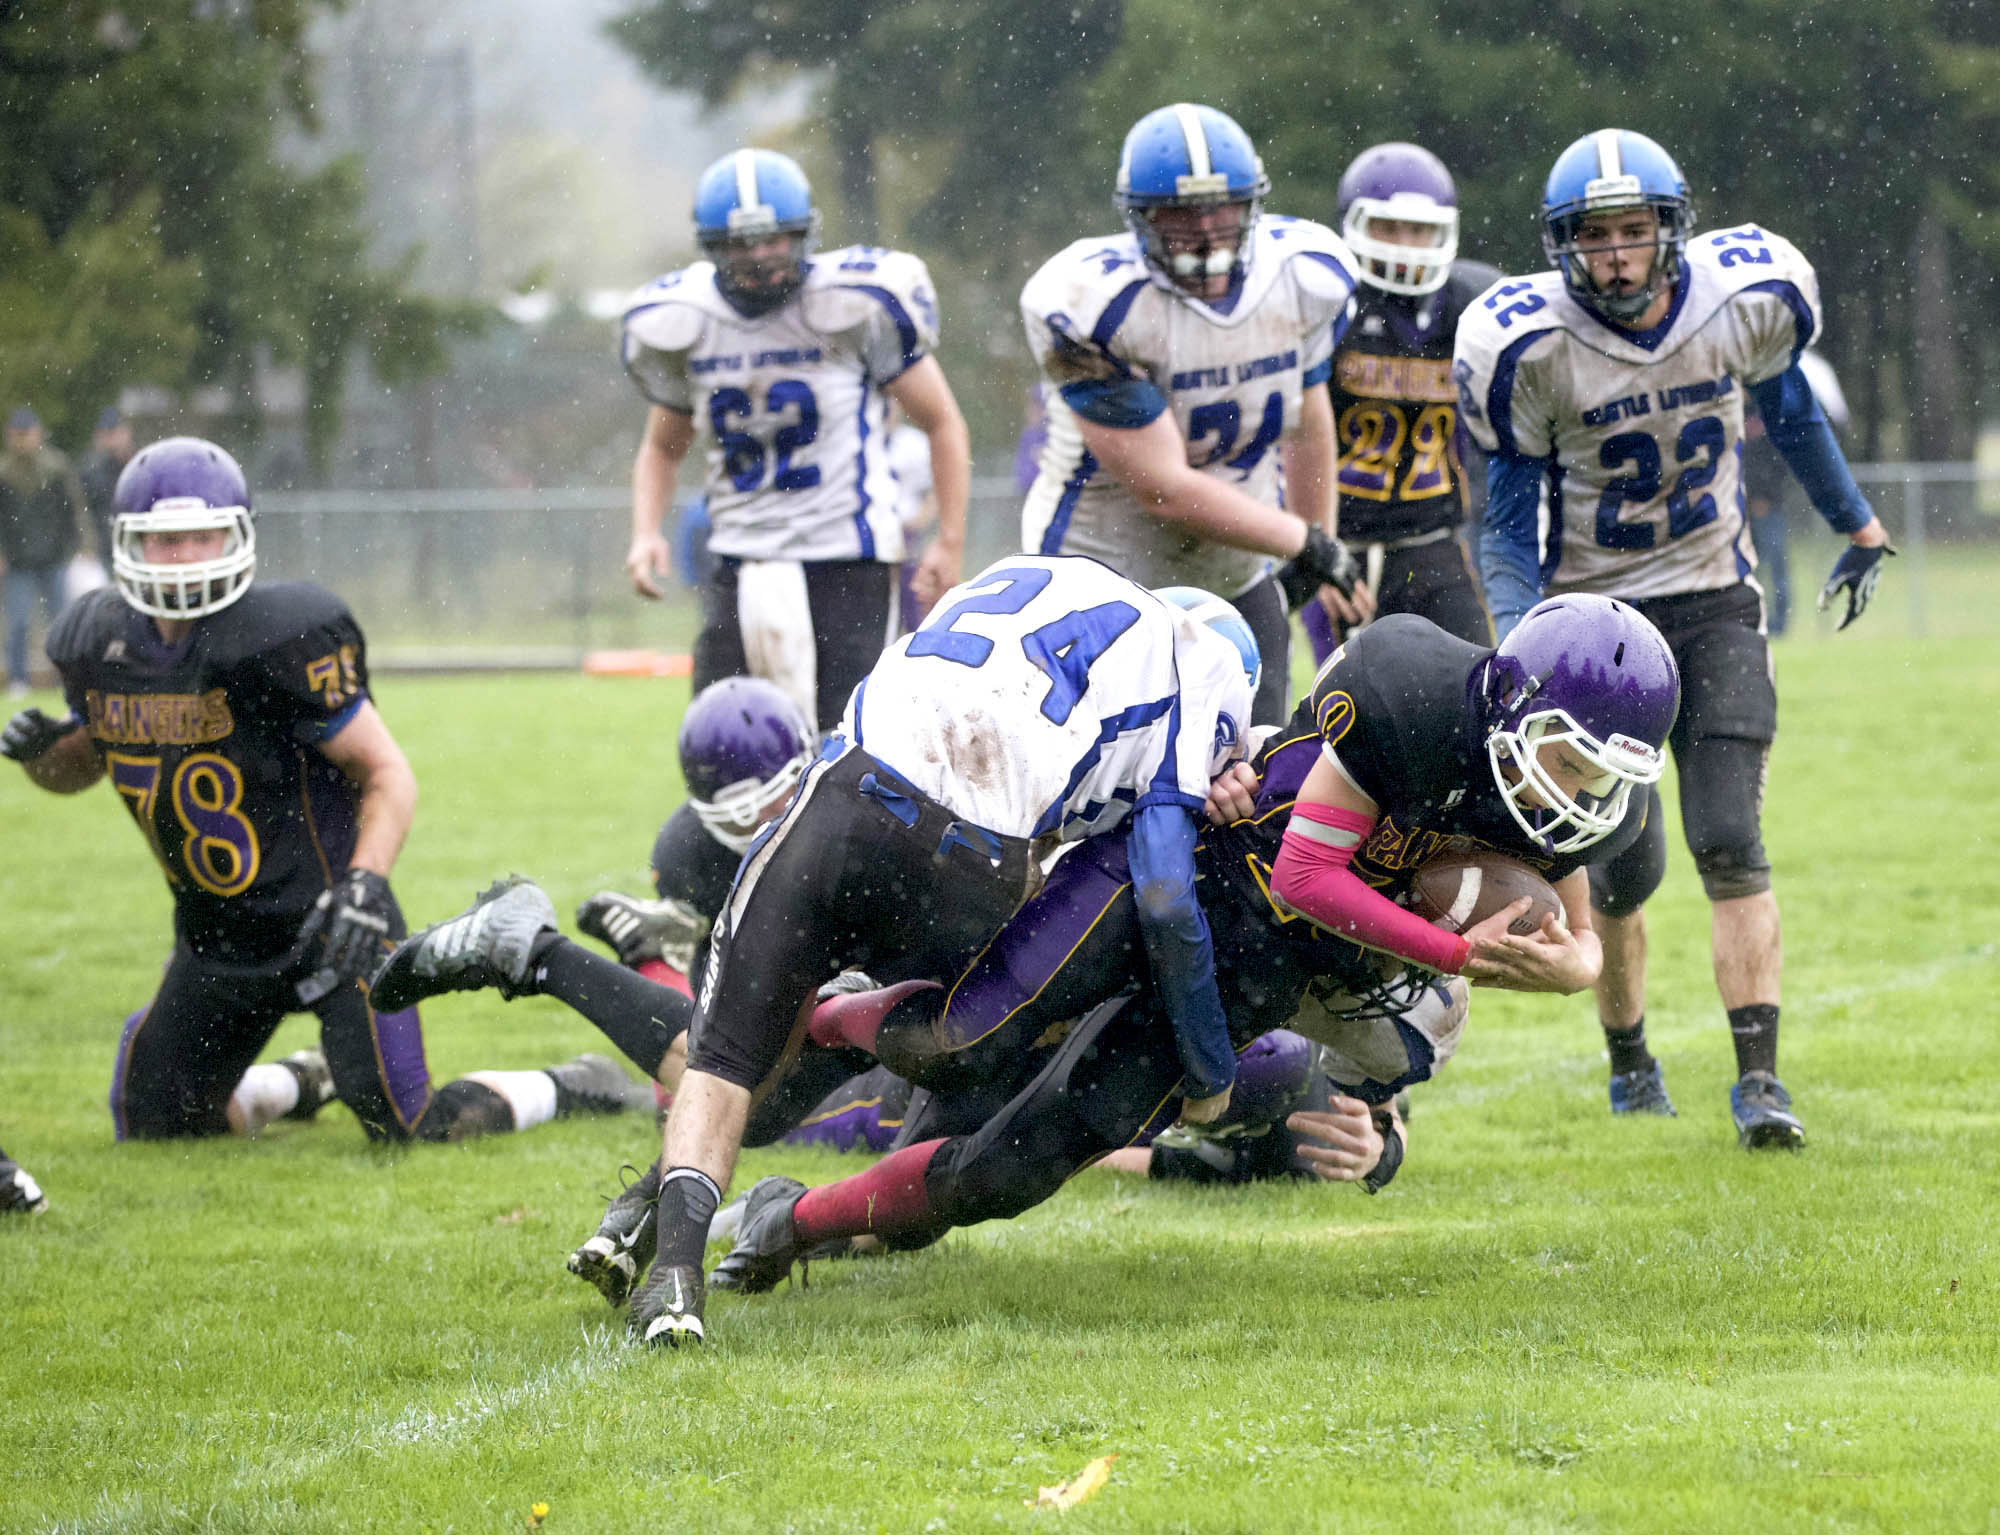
(663, 444)
(926, 398)
(1312, 489)
(1151, 462)
(55, 754)
(373, 762)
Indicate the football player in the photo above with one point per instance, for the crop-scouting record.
(1404, 487)
(1412, 743)
(235, 723)
(781, 363)
(1190, 435)
(1610, 393)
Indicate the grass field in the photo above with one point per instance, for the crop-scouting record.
(1551, 1321)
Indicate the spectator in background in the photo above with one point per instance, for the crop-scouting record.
(43, 522)
(110, 451)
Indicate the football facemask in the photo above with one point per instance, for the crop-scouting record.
(737, 813)
(1551, 815)
(193, 589)
(1393, 265)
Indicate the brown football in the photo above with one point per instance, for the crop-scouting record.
(1459, 890)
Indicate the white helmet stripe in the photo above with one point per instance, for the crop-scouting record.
(1197, 141)
(746, 179)
(1609, 162)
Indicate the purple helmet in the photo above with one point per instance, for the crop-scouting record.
(182, 486)
(744, 743)
(1592, 675)
(1409, 185)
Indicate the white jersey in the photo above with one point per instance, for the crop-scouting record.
(789, 405)
(1644, 430)
(1053, 695)
(1234, 382)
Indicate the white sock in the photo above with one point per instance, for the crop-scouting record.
(530, 1094)
(264, 1094)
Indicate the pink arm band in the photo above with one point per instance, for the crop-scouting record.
(1311, 876)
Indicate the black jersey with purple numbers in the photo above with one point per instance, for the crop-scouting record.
(1395, 409)
(212, 744)
(1396, 707)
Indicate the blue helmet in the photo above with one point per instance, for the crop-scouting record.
(743, 743)
(1187, 156)
(183, 486)
(1604, 172)
(748, 198)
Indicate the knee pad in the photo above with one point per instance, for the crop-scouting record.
(461, 1110)
(1730, 873)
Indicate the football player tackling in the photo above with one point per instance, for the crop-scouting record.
(1610, 393)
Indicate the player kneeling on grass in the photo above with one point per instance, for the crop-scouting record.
(235, 723)
(1412, 744)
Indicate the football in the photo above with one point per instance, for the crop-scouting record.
(1458, 890)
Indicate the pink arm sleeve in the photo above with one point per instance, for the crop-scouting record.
(1311, 876)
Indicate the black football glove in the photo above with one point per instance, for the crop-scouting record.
(1391, 1161)
(1855, 573)
(30, 733)
(352, 921)
(1325, 561)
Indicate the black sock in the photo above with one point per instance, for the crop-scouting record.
(1628, 1047)
(1754, 1032)
(638, 1016)
(688, 1198)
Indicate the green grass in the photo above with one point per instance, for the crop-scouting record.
(1551, 1321)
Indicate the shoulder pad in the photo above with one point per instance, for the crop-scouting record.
(1072, 307)
(1515, 307)
(269, 616)
(1470, 279)
(668, 313)
(1746, 257)
(82, 628)
(1319, 259)
(860, 285)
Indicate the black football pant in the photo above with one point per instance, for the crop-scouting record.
(862, 871)
(853, 605)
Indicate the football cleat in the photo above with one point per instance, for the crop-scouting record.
(19, 1193)
(666, 1311)
(315, 1082)
(1763, 1113)
(767, 1243)
(625, 1242)
(596, 1084)
(634, 930)
(487, 944)
(1641, 1091)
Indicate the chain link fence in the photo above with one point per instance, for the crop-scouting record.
(534, 578)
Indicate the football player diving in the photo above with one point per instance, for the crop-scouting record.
(1190, 434)
(235, 723)
(1045, 700)
(1610, 391)
(781, 362)
(1405, 489)
(1412, 743)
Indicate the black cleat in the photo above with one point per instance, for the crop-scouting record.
(767, 1243)
(1763, 1113)
(19, 1193)
(628, 1236)
(666, 1311)
(487, 944)
(596, 1084)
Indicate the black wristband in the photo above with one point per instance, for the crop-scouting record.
(1391, 1161)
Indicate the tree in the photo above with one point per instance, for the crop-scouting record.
(161, 236)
